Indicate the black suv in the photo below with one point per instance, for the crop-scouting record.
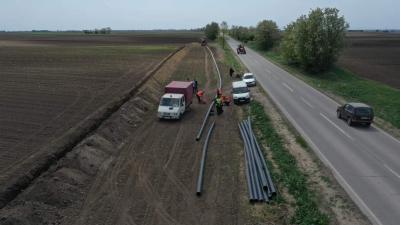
(356, 113)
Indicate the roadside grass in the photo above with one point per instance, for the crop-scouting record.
(384, 99)
(303, 210)
(230, 58)
(289, 175)
(277, 211)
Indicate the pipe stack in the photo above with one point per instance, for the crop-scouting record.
(259, 182)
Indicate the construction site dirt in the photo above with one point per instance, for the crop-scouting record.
(136, 169)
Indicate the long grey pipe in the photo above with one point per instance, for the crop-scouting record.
(203, 161)
(212, 103)
(249, 173)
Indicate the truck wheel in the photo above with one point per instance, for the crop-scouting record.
(339, 114)
(368, 124)
(349, 121)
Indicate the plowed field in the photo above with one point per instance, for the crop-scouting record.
(374, 56)
(50, 82)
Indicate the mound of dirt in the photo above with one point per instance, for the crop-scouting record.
(57, 195)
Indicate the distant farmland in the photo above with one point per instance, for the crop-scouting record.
(374, 56)
(51, 81)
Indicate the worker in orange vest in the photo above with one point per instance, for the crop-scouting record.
(199, 96)
(226, 100)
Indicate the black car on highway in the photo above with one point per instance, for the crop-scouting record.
(356, 113)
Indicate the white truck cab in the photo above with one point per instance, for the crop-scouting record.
(240, 92)
(172, 106)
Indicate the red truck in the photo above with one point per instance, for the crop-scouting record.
(240, 49)
(177, 98)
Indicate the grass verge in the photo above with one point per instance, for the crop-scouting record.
(289, 175)
(384, 99)
(230, 58)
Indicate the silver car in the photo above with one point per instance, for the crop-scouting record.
(250, 79)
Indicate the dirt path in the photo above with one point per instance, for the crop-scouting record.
(154, 179)
(138, 170)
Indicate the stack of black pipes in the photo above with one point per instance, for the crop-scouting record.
(259, 182)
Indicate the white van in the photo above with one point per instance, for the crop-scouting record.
(240, 92)
(172, 106)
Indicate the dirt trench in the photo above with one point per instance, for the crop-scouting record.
(136, 169)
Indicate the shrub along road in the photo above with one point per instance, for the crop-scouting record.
(364, 160)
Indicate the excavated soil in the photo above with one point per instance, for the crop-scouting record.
(136, 169)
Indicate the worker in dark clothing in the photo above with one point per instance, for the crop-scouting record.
(219, 92)
(231, 71)
(218, 106)
(195, 86)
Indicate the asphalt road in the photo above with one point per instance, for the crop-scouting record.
(365, 161)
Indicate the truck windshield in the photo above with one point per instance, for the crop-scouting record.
(363, 111)
(240, 90)
(174, 102)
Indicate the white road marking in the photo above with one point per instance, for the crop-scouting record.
(287, 86)
(307, 103)
(392, 171)
(356, 198)
(337, 127)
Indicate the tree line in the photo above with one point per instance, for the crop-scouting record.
(106, 30)
(312, 42)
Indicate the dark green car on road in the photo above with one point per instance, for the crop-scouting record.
(356, 113)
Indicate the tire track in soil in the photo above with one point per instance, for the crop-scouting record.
(158, 171)
(151, 178)
(107, 141)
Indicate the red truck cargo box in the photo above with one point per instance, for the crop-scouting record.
(181, 87)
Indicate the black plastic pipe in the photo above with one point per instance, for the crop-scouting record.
(271, 185)
(203, 161)
(204, 121)
(248, 169)
(253, 165)
(256, 156)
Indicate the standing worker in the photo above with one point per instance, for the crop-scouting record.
(231, 71)
(218, 105)
(199, 95)
(195, 85)
(219, 92)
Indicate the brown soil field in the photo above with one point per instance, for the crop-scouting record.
(116, 38)
(136, 169)
(50, 82)
(375, 56)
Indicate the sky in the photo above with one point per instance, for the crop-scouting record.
(184, 14)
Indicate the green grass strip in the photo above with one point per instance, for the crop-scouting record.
(384, 99)
(290, 176)
(230, 59)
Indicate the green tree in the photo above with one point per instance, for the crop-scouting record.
(243, 34)
(266, 34)
(224, 29)
(315, 41)
(211, 30)
(288, 44)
